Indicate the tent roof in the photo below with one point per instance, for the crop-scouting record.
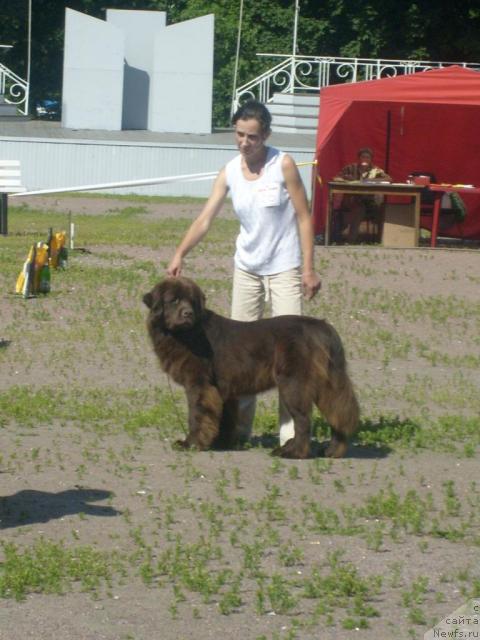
(449, 85)
(455, 85)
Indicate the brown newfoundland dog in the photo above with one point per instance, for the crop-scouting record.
(217, 360)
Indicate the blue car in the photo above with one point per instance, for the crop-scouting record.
(47, 109)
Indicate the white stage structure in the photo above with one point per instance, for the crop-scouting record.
(134, 72)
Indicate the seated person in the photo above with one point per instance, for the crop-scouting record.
(357, 208)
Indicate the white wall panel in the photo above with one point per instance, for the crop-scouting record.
(182, 79)
(140, 29)
(92, 73)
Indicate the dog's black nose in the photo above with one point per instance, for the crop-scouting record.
(187, 313)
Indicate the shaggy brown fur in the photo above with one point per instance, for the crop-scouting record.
(217, 360)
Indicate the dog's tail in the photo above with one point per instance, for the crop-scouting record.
(336, 397)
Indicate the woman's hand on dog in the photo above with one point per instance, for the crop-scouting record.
(174, 269)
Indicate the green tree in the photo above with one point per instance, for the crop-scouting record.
(266, 27)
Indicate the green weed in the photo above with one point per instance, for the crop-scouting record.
(50, 567)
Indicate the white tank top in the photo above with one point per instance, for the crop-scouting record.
(268, 241)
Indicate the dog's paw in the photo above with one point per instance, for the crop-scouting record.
(222, 443)
(292, 449)
(335, 449)
(181, 445)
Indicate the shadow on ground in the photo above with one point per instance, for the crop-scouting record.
(30, 506)
(374, 439)
(269, 441)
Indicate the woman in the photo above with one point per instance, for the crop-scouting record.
(357, 208)
(276, 230)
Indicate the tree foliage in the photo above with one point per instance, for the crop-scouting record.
(397, 29)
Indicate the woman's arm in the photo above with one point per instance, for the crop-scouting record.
(200, 226)
(296, 190)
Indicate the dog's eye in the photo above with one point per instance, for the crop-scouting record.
(173, 302)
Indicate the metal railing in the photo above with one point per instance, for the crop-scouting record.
(303, 74)
(14, 89)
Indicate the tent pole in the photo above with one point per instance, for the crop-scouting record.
(387, 145)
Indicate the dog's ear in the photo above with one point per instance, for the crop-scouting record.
(148, 299)
(154, 301)
(203, 302)
(199, 301)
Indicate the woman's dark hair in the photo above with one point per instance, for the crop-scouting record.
(256, 110)
(366, 151)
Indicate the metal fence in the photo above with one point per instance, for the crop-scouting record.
(304, 74)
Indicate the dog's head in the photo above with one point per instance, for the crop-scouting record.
(176, 304)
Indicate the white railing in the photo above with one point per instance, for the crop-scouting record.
(301, 74)
(14, 89)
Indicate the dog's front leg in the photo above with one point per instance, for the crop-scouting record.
(204, 413)
(227, 436)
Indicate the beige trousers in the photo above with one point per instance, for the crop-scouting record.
(250, 293)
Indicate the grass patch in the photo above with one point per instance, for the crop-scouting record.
(101, 411)
(121, 227)
(50, 567)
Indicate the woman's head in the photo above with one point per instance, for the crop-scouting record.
(252, 127)
(365, 157)
(254, 110)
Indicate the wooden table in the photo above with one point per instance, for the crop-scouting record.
(384, 189)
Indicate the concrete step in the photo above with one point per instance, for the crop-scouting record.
(297, 110)
(18, 117)
(10, 113)
(297, 113)
(291, 124)
(295, 121)
(7, 109)
(303, 99)
(307, 131)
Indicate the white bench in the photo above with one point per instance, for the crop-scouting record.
(10, 182)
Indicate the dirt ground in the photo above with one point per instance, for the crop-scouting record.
(410, 322)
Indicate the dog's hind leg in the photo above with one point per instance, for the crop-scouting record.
(299, 405)
(205, 408)
(336, 400)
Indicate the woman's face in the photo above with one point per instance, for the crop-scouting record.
(365, 160)
(250, 138)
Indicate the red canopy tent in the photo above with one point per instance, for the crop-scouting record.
(428, 121)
